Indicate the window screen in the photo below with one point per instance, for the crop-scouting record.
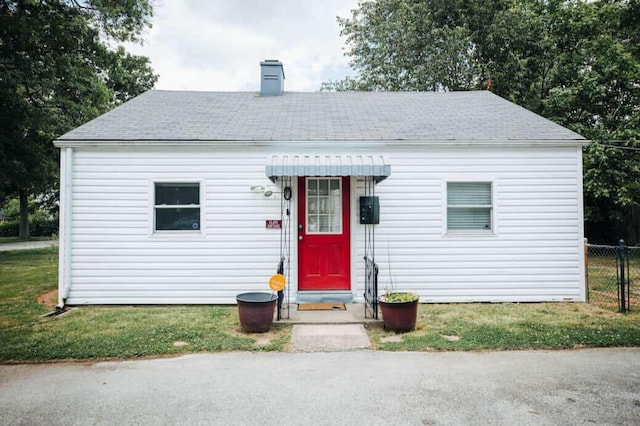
(177, 207)
(469, 206)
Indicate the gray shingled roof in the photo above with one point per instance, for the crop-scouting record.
(348, 116)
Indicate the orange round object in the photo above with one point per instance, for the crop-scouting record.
(277, 282)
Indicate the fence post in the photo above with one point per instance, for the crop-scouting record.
(586, 269)
(622, 299)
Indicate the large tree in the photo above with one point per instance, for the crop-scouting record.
(58, 69)
(575, 62)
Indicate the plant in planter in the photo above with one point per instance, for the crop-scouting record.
(399, 310)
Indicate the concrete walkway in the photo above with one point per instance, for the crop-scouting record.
(599, 386)
(25, 245)
(333, 330)
(328, 337)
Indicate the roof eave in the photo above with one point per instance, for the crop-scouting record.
(440, 143)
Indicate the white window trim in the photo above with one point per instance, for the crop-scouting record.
(306, 200)
(494, 209)
(152, 208)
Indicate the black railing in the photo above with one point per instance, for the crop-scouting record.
(371, 286)
(281, 292)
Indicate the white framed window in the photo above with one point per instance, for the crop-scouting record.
(176, 207)
(469, 206)
(324, 205)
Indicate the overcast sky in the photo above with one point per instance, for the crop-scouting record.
(218, 45)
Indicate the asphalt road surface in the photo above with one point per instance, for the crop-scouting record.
(600, 386)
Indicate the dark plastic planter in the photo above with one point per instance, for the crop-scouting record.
(399, 316)
(256, 311)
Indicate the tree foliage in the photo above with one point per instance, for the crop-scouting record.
(57, 71)
(574, 62)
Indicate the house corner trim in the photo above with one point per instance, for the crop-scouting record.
(65, 224)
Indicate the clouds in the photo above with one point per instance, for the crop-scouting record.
(217, 45)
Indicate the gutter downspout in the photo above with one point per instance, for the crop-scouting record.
(64, 250)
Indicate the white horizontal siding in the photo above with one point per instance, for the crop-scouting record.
(116, 257)
(534, 255)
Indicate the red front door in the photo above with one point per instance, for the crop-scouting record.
(323, 233)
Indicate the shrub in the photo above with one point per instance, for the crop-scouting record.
(38, 227)
(42, 227)
(9, 229)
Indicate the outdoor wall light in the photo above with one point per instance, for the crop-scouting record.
(260, 188)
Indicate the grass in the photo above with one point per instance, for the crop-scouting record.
(511, 326)
(98, 332)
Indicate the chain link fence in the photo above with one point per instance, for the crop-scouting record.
(604, 275)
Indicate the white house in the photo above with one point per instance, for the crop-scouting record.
(182, 198)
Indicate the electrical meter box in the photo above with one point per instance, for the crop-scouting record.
(369, 210)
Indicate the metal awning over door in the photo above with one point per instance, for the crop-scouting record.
(328, 165)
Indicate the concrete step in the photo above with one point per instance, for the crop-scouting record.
(324, 297)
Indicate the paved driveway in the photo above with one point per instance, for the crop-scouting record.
(564, 387)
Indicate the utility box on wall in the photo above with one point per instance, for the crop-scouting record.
(369, 210)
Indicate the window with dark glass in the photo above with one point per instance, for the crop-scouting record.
(177, 207)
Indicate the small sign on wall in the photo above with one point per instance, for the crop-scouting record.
(274, 224)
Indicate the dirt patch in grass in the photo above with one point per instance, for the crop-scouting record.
(397, 338)
(49, 299)
(260, 339)
(450, 338)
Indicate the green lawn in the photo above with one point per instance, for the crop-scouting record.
(95, 332)
(509, 326)
(104, 332)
